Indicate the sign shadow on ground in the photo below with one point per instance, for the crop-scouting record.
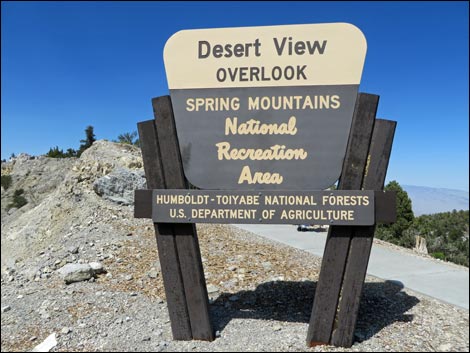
(382, 304)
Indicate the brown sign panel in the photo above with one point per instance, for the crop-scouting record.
(267, 206)
(264, 107)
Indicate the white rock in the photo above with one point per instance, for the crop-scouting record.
(46, 345)
(267, 265)
(96, 267)
(212, 289)
(76, 272)
(73, 249)
(153, 273)
(446, 347)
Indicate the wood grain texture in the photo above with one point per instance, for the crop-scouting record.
(385, 206)
(338, 240)
(167, 250)
(142, 203)
(361, 242)
(185, 235)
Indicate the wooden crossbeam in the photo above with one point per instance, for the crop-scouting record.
(385, 205)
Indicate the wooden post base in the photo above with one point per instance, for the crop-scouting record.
(178, 246)
(347, 250)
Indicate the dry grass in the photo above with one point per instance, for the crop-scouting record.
(230, 261)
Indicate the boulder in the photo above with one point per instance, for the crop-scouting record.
(119, 185)
(76, 273)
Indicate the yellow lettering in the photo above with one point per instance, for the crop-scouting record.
(255, 127)
(259, 177)
(335, 102)
(231, 126)
(276, 152)
(190, 104)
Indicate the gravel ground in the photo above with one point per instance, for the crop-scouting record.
(261, 292)
(261, 297)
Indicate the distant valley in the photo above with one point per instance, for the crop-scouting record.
(427, 200)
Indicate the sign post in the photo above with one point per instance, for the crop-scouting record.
(262, 120)
(178, 246)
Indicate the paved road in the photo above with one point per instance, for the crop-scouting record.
(445, 282)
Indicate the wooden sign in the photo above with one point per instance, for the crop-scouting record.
(264, 107)
(338, 292)
(266, 118)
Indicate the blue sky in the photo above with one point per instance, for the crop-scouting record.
(72, 64)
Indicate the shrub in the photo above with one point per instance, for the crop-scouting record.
(6, 181)
(127, 137)
(55, 153)
(438, 255)
(18, 199)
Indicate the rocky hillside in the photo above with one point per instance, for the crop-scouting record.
(62, 202)
(81, 273)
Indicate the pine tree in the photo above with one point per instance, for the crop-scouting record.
(395, 232)
(71, 152)
(90, 138)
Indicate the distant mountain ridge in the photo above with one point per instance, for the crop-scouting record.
(428, 200)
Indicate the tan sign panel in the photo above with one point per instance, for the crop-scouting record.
(264, 107)
(295, 55)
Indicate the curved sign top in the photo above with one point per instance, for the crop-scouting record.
(264, 107)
